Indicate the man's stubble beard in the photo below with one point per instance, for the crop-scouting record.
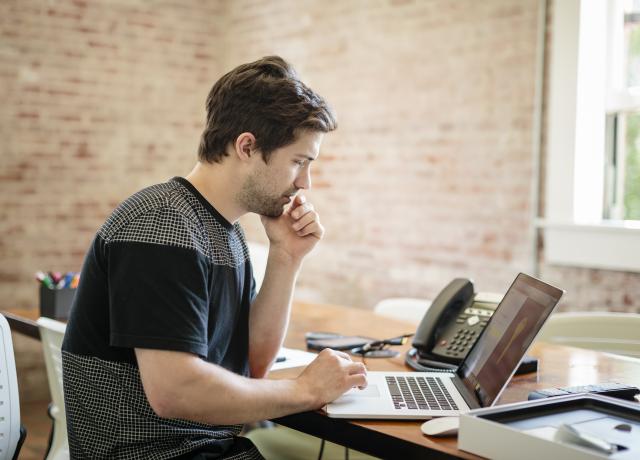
(254, 198)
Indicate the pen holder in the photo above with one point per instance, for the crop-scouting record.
(56, 303)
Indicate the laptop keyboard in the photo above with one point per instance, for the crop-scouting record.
(419, 393)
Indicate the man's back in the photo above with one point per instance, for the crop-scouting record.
(166, 271)
(158, 353)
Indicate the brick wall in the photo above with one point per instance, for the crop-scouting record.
(98, 99)
(429, 176)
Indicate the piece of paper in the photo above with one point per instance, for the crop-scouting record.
(293, 358)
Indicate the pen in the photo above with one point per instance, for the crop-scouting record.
(45, 280)
(55, 277)
(281, 359)
(67, 279)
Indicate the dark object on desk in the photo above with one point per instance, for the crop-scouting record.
(527, 365)
(56, 303)
(615, 390)
(321, 335)
(336, 341)
(380, 348)
(356, 345)
(451, 326)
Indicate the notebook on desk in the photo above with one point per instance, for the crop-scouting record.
(480, 378)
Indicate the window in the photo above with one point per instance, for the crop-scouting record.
(592, 215)
(622, 163)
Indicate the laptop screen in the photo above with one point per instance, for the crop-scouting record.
(515, 323)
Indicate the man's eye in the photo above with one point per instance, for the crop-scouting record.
(299, 162)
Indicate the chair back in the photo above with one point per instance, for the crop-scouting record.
(259, 254)
(52, 334)
(403, 308)
(9, 400)
(601, 331)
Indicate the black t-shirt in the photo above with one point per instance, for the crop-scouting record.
(166, 271)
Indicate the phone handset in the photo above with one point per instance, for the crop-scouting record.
(444, 311)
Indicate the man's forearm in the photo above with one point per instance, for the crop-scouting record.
(206, 393)
(270, 310)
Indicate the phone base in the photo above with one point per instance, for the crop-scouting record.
(527, 365)
(414, 361)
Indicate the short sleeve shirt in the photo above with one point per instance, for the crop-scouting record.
(165, 271)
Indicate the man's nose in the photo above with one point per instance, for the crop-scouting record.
(303, 181)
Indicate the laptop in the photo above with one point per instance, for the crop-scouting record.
(480, 378)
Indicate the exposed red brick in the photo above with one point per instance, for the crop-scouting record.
(146, 25)
(32, 115)
(59, 92)
(420, 184)
(63, 14)
(72, 118)
(8, 277)
(74, 54)
(96, 44)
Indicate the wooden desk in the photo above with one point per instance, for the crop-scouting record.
(23, 322)
(558, 366)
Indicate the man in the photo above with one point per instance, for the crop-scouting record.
(167, 344)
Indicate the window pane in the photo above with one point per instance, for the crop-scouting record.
(632, 42)
(632, 168)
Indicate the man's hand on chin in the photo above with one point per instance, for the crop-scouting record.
(296, 232)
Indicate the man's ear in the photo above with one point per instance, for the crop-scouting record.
(245, 146)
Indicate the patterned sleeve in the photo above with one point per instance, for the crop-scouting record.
(158, 285)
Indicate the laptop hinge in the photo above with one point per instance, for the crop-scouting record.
(468, 397)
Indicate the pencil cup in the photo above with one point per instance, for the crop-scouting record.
(56, 303)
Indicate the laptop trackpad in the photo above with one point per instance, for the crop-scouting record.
(371, 391)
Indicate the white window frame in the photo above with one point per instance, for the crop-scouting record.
(574, 232)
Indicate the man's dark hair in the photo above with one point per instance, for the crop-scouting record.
(267, 99)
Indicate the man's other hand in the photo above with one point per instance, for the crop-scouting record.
(330, 375)
(296, 232)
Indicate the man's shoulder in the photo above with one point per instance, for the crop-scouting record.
(161, 209)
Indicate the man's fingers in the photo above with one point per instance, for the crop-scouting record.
(301, 210)
(342, 354)
(357, 380)
(356, 368)
(304, 220)
(298, 200)
(314, 228)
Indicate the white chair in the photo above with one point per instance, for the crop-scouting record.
(403, 308)
(602, 331)
(284, 443)
(12, 434)
(51, 334)
(259, 254)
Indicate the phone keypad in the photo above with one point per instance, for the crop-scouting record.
(460, 337)
(462, 341)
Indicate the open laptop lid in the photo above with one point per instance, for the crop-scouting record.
(494, 358)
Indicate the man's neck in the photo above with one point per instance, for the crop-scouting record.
(218, 185)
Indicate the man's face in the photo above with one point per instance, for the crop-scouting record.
(270, 187)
